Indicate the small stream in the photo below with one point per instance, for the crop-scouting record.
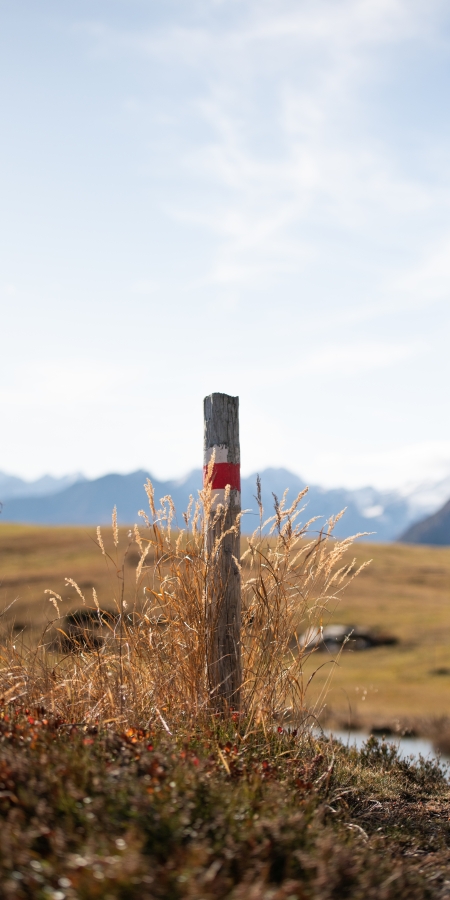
(407, 746)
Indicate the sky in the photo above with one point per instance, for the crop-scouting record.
(247, 196)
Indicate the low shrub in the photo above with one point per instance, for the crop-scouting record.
(91, 812)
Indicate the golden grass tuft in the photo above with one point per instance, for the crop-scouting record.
(154, 661)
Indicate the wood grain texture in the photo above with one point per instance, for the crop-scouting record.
(221, 420)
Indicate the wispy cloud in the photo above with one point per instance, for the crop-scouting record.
(282, 153)
(289, 160)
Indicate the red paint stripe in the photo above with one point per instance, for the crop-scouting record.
(223, 474)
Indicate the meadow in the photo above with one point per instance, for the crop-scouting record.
(404, 592)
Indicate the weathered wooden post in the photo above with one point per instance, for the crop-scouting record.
(221, 437)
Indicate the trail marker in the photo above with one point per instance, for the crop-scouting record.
(221, 437)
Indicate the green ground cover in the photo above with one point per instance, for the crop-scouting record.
(214, 813)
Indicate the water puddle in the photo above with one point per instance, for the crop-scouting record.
(408, 747)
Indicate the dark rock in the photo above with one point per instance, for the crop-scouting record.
(354, 637)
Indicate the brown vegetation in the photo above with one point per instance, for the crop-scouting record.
(403, 592)
(140, 668)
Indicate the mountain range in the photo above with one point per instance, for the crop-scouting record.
(75, 500)
(12, 486)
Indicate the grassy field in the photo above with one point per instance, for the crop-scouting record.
(405, 591)
(35, 558)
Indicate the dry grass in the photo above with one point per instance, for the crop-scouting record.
(156, 659)
(404, 591)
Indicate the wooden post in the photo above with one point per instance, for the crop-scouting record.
(221, 436)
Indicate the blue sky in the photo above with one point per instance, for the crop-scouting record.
(235, 195)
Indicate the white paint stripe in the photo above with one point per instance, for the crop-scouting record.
(221, 454)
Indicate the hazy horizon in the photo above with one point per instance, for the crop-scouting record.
(402, 488)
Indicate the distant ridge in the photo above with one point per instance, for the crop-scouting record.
(384, 514)
(91, 502)
(13, 486)
(434, 529)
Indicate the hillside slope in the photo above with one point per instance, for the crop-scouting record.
(433, 529)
